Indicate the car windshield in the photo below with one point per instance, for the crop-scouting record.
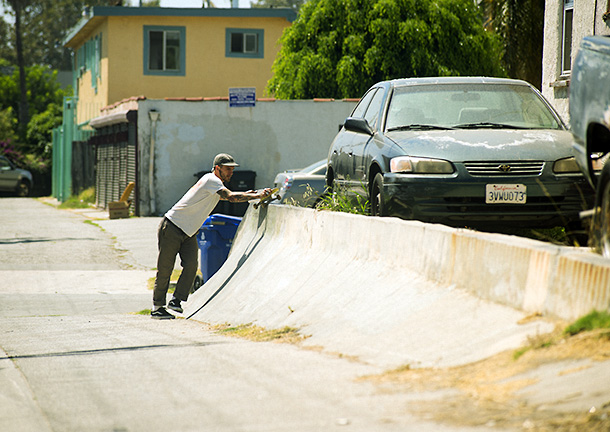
(464, 106)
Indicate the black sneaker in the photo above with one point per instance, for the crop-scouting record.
(161, 313)
(174, 304)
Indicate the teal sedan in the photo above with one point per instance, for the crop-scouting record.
(462, 151)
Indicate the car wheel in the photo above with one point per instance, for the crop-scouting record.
(603, 201)
(330, 181)
(23, 189)
(197, 283)
(376, 197)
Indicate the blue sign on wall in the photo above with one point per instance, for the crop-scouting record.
(242, 97)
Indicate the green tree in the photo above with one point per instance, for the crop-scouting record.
(5, 35)
(43, 91)
(18, 7)
(339, 48)
(520, 24)
(8, 124)
(40, 130)
(45, 24)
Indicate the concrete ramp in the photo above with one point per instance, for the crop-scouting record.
(387, 291)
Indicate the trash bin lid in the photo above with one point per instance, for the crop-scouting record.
(220, 219)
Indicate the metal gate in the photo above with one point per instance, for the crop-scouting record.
(116, 161)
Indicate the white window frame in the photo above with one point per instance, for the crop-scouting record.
(567, 22)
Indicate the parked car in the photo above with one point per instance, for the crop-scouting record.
(302, 187)
(463, 151)
(13, 179)
(590, 119)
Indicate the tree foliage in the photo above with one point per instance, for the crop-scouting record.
(44, 97)
(520, 25)
(45, 24)
(339, 48)
(41, 82)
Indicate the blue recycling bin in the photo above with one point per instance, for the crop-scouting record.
(215, 238)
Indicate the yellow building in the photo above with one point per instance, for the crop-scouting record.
(157, 53)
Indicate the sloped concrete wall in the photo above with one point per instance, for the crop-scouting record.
(396, 292)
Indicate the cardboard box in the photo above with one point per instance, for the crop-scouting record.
(118, 209)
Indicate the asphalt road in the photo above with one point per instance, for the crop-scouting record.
(75, 357)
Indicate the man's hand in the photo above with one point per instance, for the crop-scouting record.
(265, 192)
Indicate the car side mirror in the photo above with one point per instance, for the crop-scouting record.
(359, 125)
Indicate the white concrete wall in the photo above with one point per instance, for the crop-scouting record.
(587, 21)
(271, 137)
(397, 292)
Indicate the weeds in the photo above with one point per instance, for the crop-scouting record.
(84, 199)
(342, 199)
(593, 321)
(536, 342)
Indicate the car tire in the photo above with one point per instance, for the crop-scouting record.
(602, 223)
(377, 199)
(23, 189)
(197, 283)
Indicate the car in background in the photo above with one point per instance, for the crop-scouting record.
(14, 180)
(462, 151)
(302, 187)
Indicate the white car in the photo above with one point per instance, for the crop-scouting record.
(13, 179)
(302, 187)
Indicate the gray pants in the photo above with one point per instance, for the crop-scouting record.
(173, 241)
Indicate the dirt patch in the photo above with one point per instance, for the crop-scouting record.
(484, 393)
(259, 334)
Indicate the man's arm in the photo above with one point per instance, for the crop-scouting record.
(235, 197)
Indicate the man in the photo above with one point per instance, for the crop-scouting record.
(178, 229)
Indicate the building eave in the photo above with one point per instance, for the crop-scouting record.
(99, 13)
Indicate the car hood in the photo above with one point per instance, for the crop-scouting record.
(487, 144)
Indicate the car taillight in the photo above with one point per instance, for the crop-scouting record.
(287, 183)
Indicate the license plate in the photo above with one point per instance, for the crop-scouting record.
(505, 194)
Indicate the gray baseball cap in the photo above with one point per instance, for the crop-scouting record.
(225, 159)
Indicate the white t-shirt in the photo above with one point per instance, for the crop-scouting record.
(195, 206)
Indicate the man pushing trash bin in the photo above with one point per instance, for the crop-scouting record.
(178, 229)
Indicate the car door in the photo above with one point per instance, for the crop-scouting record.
(359, 153)
(8, 175)
(341, 154)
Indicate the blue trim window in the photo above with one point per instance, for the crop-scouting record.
(164, 50)
(245, 43)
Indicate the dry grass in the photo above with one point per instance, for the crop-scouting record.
(259, 334)
(487, 389)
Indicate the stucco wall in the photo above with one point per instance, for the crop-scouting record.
(268, 138)
(209, 72)
(587, 21)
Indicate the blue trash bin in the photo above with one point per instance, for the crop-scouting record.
(215, 238)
